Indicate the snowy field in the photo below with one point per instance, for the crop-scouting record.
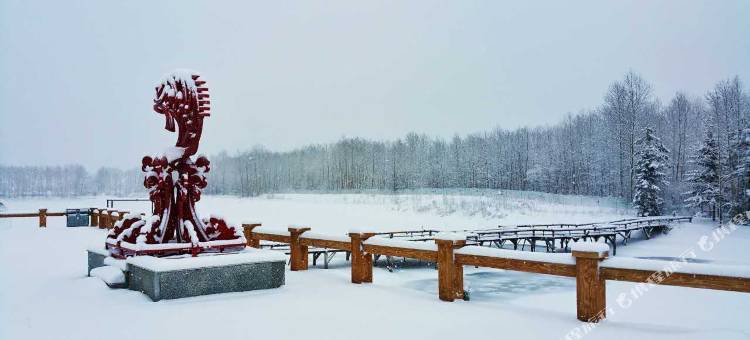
(45, 294)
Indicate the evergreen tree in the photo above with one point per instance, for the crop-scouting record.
(650, 175)
(744, 171)
(705, 179)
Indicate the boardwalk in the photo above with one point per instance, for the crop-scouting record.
(554, 237)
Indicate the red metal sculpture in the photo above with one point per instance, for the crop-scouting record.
(175, 182)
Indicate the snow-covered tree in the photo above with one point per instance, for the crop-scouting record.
(650, 176)
(729, 113)
(705, 178)
(744, 170)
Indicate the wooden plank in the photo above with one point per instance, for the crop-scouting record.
(36, 214)
(420, 254)
(735, 284)
(330, 244)
(19, 215)
(272, 237)
(558, 269)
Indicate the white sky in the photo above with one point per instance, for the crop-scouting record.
(77, 77)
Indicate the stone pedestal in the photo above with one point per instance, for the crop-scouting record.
(185, 276)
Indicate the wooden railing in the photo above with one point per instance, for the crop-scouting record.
(102, 218)
(42, 214)
(591, 269)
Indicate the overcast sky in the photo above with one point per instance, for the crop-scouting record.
(77, 77)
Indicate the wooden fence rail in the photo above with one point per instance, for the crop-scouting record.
(102, 218)
(590, 268)
(42, 214)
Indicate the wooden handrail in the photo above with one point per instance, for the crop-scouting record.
(548, 268)
(419, 254)
(585, 266)
(36, 214)
(330, 244)
(272, 237)
(729, 283)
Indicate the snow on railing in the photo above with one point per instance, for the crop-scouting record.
(398, 243)
(517, 255)
(271, 231)
(680, 266)
(42, 214)
(327, 237)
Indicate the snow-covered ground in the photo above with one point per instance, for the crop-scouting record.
(331, 213)
(45, 294)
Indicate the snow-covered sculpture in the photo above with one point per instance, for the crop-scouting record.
(175, 182)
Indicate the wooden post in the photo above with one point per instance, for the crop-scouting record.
(94, 217)
(110, 218)
(450, 274)
(248, 228)
(298, 251)
(42, 218)
(458, 273)
(591, 297)
(361, 261)
(103, 218)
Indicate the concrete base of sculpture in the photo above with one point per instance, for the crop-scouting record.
(185, 276)
(96, 258)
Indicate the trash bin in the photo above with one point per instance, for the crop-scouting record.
(77, 217)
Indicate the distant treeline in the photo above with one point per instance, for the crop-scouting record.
(589, 153)
(66, 181)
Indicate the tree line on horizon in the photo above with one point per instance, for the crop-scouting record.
(594, 152)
